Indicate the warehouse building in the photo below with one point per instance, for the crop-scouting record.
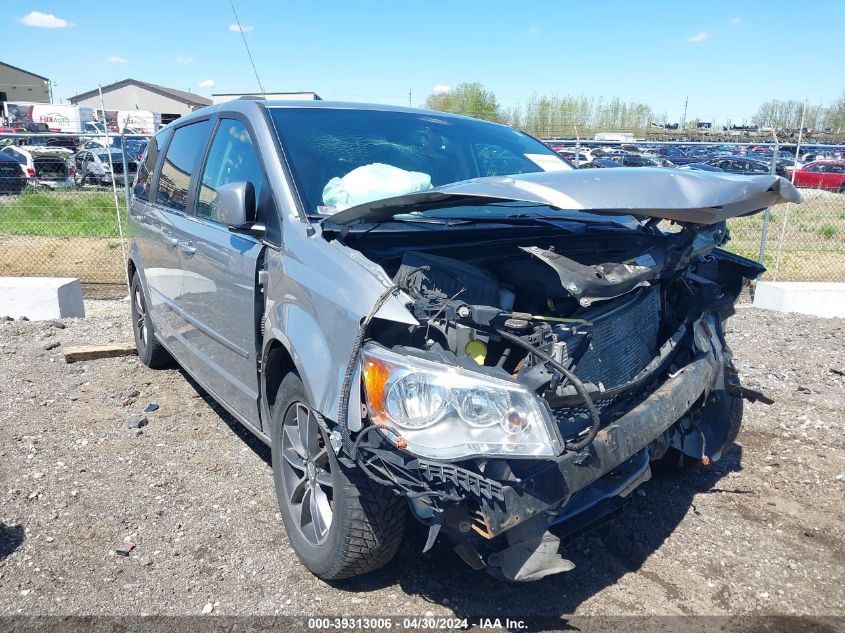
(131, 94)
(17, 84)
(223, 97)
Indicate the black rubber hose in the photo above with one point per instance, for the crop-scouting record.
(579, 387)
(343, 412)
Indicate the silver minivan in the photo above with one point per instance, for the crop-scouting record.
(434, 316)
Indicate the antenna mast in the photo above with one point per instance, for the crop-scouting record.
(248, 52)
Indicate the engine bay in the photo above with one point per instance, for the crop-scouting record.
(601, 305)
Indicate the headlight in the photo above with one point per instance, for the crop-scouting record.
(445, 412)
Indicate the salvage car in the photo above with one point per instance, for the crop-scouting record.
(501, 355)
(44, 167)
(743, 165)
(101, 166)
(821, 174)
(12, 177)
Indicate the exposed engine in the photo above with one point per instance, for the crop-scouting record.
(514, 308)
(594, 324)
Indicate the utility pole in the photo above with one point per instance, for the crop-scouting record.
(409, 97)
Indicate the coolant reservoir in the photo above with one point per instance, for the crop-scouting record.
(477, 350)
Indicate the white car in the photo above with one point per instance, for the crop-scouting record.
(45, 167)
(93, 166)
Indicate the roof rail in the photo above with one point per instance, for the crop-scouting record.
(251, 98)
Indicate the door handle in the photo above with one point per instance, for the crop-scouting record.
(170, 240)
(187, 248)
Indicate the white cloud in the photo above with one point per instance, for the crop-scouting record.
(184, 59)
(534, 31)
(116, 59)
(440, 89)
(246, 28)
(698, 37)
(735, 21)
(208, 83)
(44, 20)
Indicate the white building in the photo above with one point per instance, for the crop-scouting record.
(223, 97)
(131, 94)
(17, 84)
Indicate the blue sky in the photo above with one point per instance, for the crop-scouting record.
(727, 57)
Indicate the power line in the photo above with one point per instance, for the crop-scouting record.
(248, 52)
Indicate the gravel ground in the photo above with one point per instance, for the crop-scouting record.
(759, 532)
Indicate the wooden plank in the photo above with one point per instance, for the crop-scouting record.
(93, 352)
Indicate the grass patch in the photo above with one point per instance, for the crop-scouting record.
(813, 238)
(828, 231)
(71, 213)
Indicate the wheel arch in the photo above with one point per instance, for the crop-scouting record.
(276, 363)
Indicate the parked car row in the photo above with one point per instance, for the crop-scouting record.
(52, 168)
(813, 169)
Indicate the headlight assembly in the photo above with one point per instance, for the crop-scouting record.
(445, 412)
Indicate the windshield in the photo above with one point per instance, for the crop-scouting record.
(344, 157)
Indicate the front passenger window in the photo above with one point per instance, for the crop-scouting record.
(185, 148)
(232, 158)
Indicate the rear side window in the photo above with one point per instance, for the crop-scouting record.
(147, 168)
(187, 145)
(232, 158)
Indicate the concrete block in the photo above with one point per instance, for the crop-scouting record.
(818, 298)
(41, 298)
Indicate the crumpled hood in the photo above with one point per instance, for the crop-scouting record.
(698, 197)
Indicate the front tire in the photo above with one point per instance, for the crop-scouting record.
(339, 523)
(150, 350)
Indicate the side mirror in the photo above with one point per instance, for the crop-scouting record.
(236, 205)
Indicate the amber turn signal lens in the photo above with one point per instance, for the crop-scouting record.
(376, 375)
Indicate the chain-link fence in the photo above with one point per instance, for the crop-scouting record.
(59, 211)
(61, 199)
(802, 242)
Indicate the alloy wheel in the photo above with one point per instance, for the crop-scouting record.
(307, 474)
(140, 315)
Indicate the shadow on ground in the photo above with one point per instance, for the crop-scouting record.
(257, 446)
(11, 538)
(601, 557)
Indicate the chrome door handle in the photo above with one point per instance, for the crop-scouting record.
(187, 248)
(170, 240)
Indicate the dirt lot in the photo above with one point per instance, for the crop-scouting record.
(759, 532)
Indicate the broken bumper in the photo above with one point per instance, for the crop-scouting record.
(621, 446)
(615, 444)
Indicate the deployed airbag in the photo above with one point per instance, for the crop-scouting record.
(371, 182)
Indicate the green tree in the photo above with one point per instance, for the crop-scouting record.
(469, 99)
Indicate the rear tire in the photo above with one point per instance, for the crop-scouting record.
(150, 350)
(365, 520)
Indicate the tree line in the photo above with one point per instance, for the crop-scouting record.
(547, 116)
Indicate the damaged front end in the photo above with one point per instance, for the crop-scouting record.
(550, 367)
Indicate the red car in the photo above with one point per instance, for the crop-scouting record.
(822, 174)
